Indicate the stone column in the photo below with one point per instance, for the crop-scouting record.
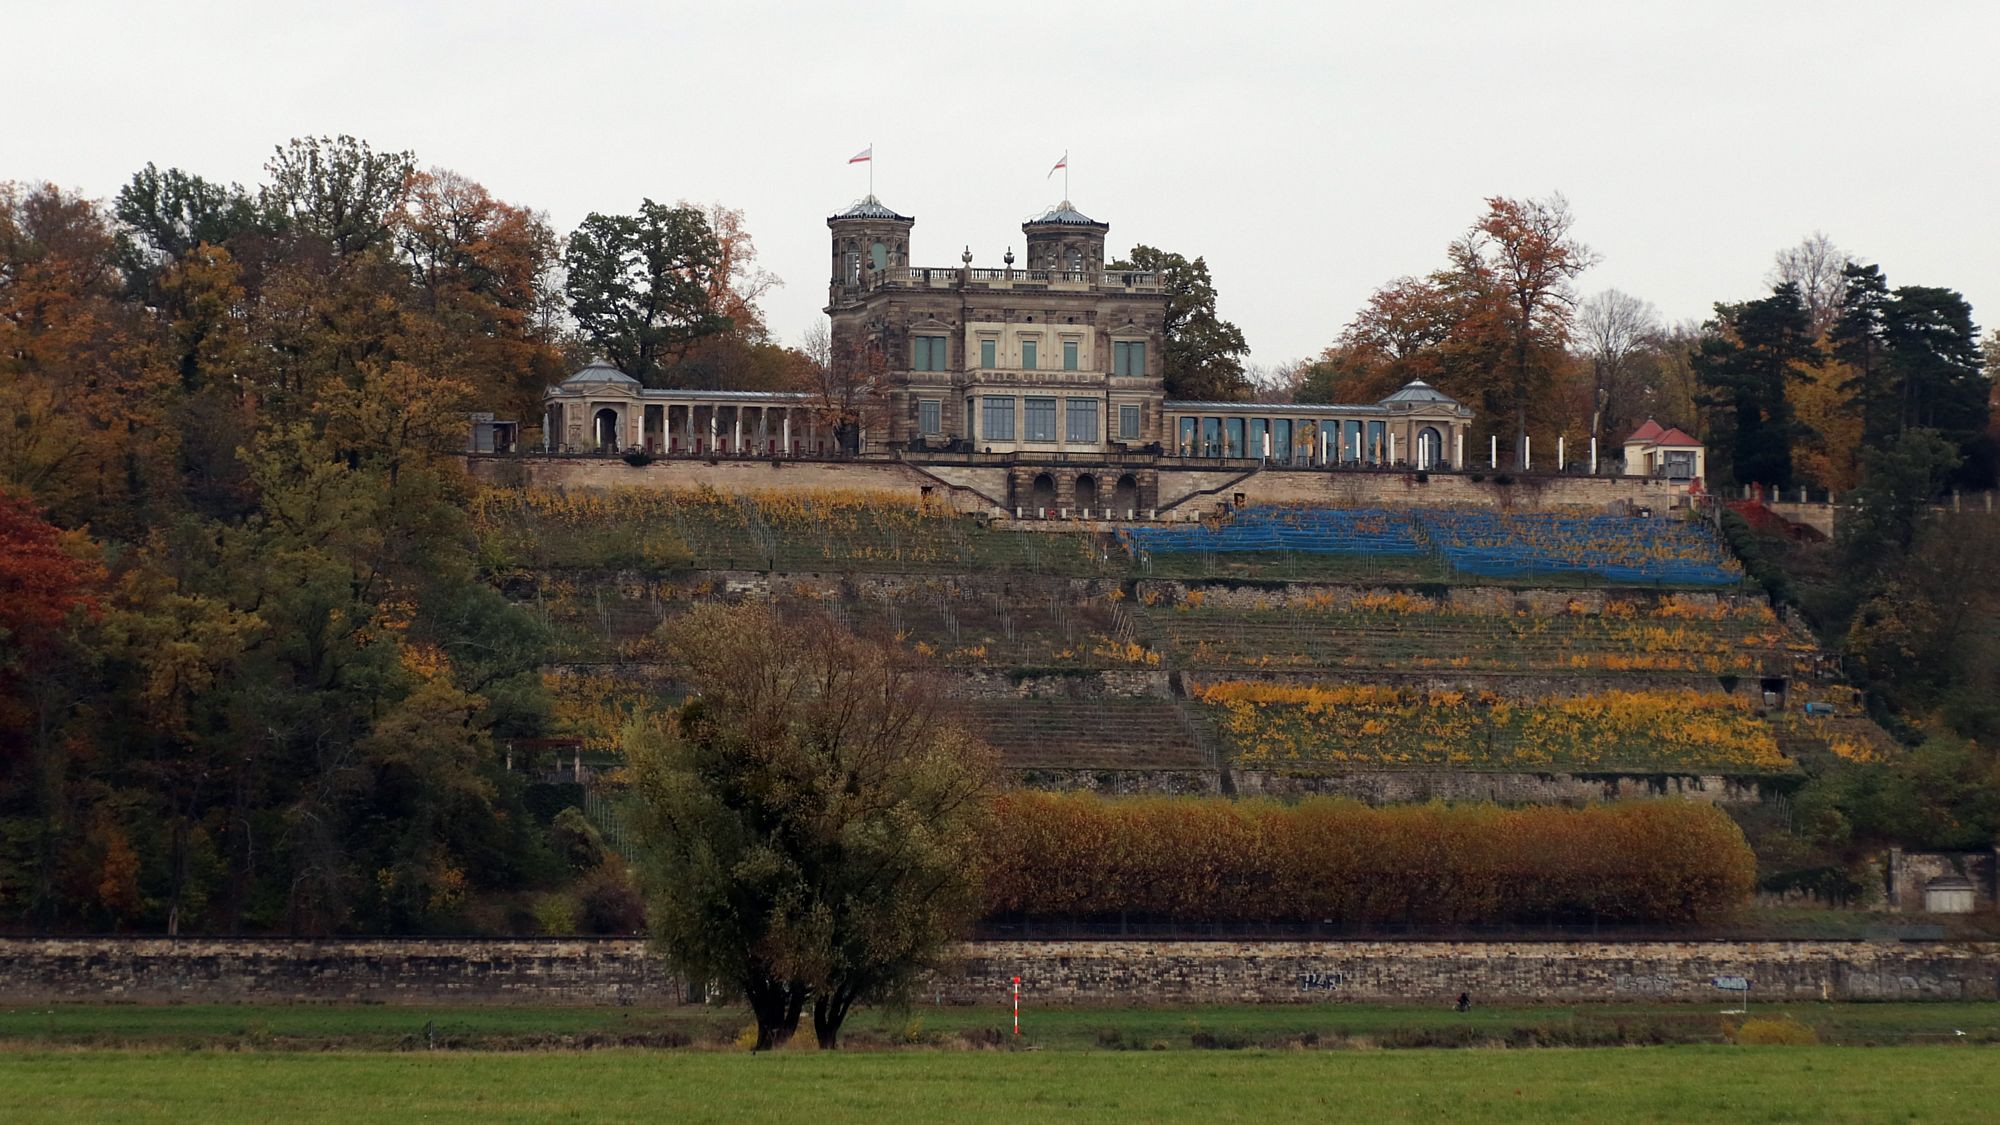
(736, 432)
(688, 430)
(785, 424)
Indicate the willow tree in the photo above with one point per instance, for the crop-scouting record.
(812, 823)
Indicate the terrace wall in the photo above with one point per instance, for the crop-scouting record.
(1350, 489)
(622, 971)
(725, 476)
(985, 488)
(1403, 785)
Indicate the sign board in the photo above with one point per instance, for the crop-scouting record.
(1733, 984)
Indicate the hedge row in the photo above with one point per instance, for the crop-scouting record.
(1336, 861)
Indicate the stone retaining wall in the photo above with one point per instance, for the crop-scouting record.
(1293, 972)
(1507, 787)
(620, 971)
(986, 487)
(331, 970)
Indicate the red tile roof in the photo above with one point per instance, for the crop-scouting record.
(1673, 435)
(1647, 432)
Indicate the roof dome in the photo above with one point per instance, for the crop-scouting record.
(1067, 215)
(870, 207)
(1416, 390)
(601, 374)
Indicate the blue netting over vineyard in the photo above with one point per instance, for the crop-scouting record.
(1475, 543)
(1326, 531)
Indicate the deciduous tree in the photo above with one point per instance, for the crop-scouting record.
(1615, 327)
(1529, 249)
(812, 823)
(1818, 268)
(641, 286)
(338, 189)
(1203, 353)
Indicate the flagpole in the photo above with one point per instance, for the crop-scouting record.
(871, 169)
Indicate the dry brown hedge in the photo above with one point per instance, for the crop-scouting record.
(1217, 860)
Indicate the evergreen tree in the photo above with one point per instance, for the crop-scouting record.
(1747, 357)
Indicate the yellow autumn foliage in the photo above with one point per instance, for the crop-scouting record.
(1666, 729)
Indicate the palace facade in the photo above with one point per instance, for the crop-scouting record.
(1052, 359)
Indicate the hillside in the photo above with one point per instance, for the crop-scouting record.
(1388, 654)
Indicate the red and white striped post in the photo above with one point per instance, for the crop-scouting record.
(1017, 1005)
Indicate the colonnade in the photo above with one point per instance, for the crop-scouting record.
(689, 427)
(1420, 443)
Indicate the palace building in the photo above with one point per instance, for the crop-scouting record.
(1051, 358)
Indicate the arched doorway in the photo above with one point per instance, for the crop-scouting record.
(1042, 494)
(1086, 491)
(1125, 495)
(1430, 448)
(605, 428)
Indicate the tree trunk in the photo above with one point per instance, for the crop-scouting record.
(829, 1012)
(777, 1008)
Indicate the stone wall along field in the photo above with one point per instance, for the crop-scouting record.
(623, 971)
(1201, 972)
(332, 970)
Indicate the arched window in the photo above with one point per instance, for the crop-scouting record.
(878, 257)
(1125, 496)
(1042, 494)
(1086, 491)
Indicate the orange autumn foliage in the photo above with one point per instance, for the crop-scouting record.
(1216, 860)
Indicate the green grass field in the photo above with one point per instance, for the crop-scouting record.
(379, 1027)
(1819, 1084)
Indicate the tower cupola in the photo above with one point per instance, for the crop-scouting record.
(1065, 240)
(868, 238)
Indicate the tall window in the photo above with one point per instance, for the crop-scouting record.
(878, 257)
(930, 416)
(929, 353)
(1128, 357)
(1041, 419)
(1128, 423)
(1082, 421)
(987, 357)
(997, 420)
(1069, 355)
(1028, 355)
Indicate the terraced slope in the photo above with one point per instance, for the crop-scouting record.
(1128, 734)
(1073, 655)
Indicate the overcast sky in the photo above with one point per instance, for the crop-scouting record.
(1310, 151)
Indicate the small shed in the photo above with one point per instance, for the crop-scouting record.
(1666, 452)
(1949, 894)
